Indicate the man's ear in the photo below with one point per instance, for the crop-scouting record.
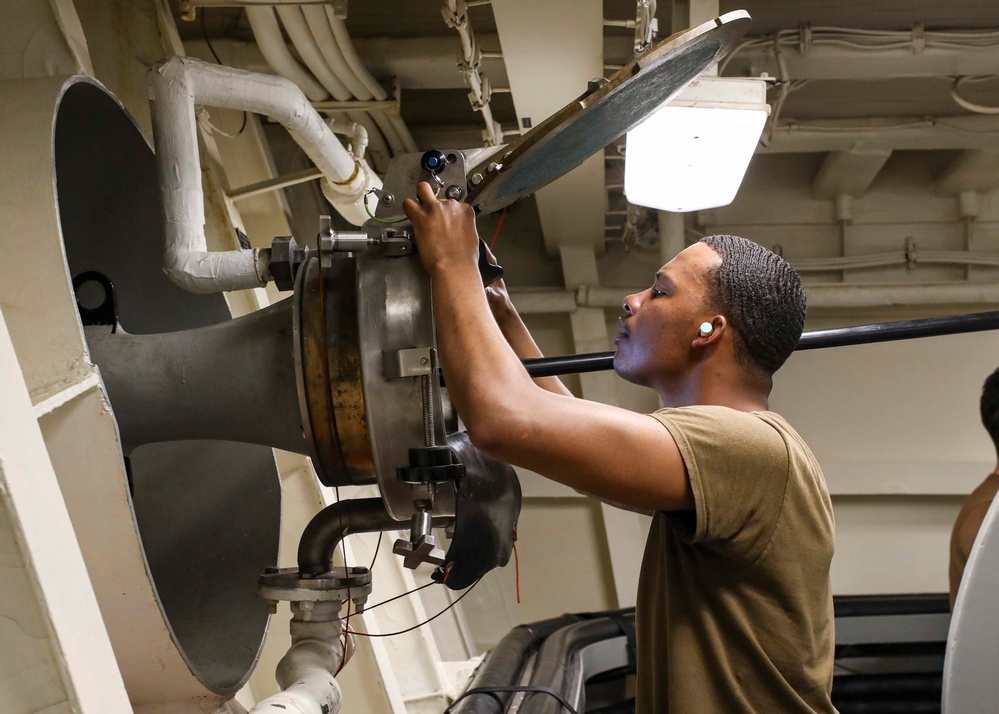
(710, 331)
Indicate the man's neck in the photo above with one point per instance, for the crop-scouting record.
(733, 394)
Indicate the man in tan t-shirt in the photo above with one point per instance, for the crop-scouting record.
(734, 607)
(972, 513)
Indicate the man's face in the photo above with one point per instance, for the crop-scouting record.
(659, 324)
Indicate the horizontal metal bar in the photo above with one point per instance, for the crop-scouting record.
(354, 105)
(814, 339)
(293, 179)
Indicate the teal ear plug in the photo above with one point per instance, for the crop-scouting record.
(706, 329)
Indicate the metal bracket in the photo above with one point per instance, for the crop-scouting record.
(415, 362)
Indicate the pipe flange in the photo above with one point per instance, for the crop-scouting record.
(341, 584)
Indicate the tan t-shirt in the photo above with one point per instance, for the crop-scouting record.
(969, 520)
(734, 604)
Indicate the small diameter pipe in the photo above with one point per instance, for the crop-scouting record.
(814, 339)
(328, 527)
(176, 85)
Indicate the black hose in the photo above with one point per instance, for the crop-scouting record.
(814, 339)
(560, 666)
(504, 663)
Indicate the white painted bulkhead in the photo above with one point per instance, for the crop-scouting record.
(895, 426)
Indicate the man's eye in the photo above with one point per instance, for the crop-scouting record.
(657, 293)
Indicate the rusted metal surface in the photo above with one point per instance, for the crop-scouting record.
(327, 350)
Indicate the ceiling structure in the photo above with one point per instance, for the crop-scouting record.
(877, 165)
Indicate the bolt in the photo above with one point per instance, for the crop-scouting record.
(493, 167)
(476, 179)
(423, 361)
(387, 199)
(454, 192)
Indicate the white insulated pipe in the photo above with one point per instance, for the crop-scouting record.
(305, 675)
(555, 301)
(175, 86)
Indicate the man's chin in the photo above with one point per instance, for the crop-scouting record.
(621, 366)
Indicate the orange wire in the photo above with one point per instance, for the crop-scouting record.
(496, 232)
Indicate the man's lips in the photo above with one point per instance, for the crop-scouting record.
(622, 332)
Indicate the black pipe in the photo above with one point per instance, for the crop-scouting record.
(328, 527)
(814, 339)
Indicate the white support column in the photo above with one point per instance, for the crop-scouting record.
(625, 530)
(56, 655)
(671, 235)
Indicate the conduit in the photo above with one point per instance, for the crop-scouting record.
(176, 85)
(315, 58)
(307, 45)
(346, 46)
(455, 14)
(268, 34)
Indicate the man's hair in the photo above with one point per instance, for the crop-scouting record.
(990, 406)
(761, 296)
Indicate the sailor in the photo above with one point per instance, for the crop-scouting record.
(734, 604)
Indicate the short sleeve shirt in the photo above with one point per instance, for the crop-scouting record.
(734, 603)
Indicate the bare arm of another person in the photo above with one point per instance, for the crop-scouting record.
(605, 451)
(516, 333)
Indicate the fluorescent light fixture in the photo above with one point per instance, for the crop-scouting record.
(692, 154)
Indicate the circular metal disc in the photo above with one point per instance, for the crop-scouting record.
(570, 136)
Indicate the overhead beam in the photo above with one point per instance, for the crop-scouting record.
(552, 49)
(891, 133)
(848, 173)
(976, 171)
(839, 62)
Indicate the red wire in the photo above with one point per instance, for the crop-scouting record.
(496, 232)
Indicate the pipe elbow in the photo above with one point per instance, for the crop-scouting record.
(207, 272)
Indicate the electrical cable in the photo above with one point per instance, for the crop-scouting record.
(373, 217)
(204, 32)
(415, 627)
(970, 106)
(375, 556)
(498, 224)
(402, 595)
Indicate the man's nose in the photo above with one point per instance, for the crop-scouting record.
(631, 304)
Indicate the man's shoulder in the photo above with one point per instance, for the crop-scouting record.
(762, 424)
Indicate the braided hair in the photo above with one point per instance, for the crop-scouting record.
(762, 297)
